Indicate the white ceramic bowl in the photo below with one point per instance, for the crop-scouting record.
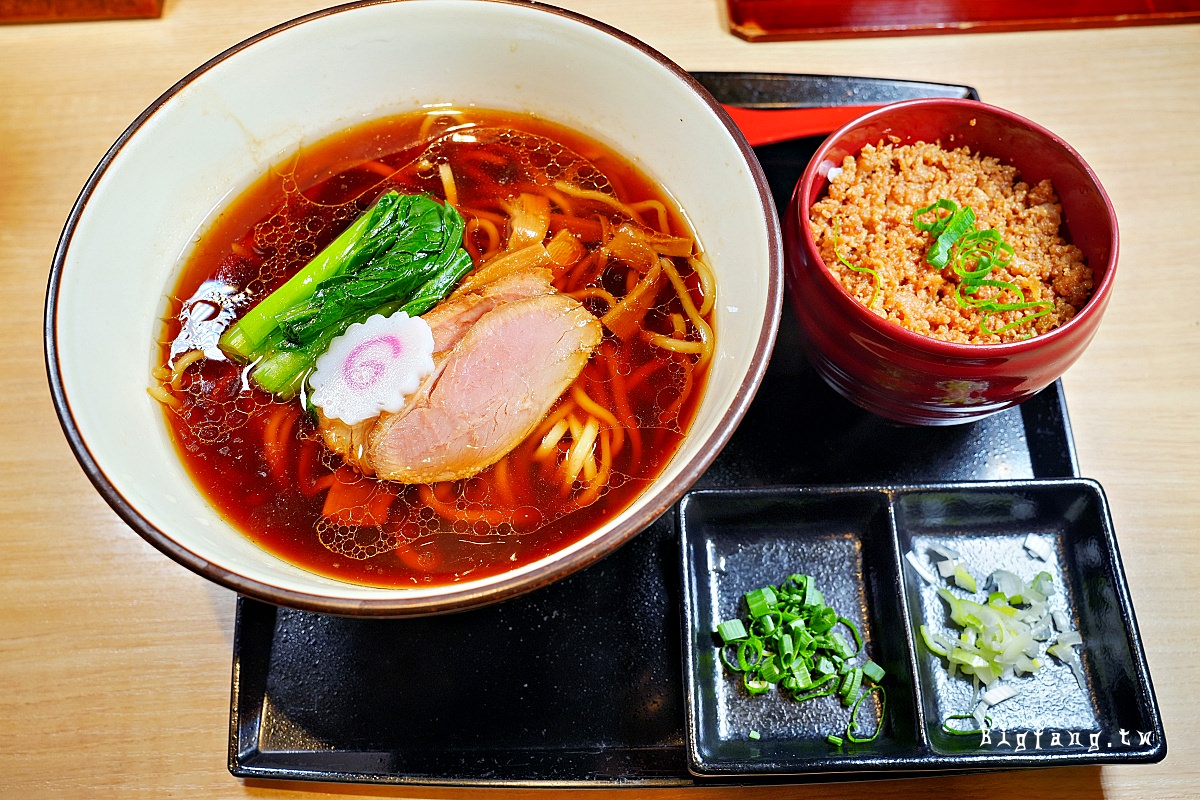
(223, 125)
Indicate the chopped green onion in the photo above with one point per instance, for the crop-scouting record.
(812, 595)
(756, 647)
(771, 671)
(853, 726)
(873, 672)
(755, 685)
(802, 677)
(962, 221)
(938, 223)
(788, 640)
(765, 625)
(842, 260)
(755, 735)
(760, 601)
(934, 647)
(829, 682)
(963, 578)
(1002, 638)
(822, 619)
(973, 254)
(840, 646)
(851, 683)
(948, 728)
(731, 630)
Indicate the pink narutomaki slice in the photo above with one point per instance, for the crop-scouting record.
(372, 367)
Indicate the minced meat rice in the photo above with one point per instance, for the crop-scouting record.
(872, 201)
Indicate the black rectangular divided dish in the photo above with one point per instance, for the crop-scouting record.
(853, 541)
(582, 683)
(734, 541)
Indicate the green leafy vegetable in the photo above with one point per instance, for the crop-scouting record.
(405, 253)
(788, 640)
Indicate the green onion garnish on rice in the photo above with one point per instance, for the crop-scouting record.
(972, 254)
(842, 259)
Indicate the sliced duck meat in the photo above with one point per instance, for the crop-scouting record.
(491, 390)
(449, 321)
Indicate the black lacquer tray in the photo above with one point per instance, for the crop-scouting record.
(582, 683)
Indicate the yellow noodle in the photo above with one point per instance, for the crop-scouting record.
(675, 345)
(590, 291)
(581, 449)
(705, 276)
(489, 229)
(449, 188)
(433, 118)
(598, 197)
(503, 483)
(378, 167)
(163, 396)
(592, 492)
(495, 217)
(181, 364)
(679, 325)
(550, 441)
(553, 417)
(592, 407)
(589, 466)
(664, 225)
(558, 199)
(689, 307)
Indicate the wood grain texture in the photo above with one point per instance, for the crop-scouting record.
(116, 662)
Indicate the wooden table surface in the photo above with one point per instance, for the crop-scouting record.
(115, 662)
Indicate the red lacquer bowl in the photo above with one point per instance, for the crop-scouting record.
(910, 378)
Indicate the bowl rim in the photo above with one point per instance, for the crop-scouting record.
(939, 348)
(396, 603)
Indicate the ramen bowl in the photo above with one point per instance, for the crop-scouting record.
(168, 176)
(915, 379)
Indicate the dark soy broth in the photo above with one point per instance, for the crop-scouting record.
(264, 464)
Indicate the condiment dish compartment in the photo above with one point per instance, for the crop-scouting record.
(855, 541)
(989, 526)
(734, 541)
